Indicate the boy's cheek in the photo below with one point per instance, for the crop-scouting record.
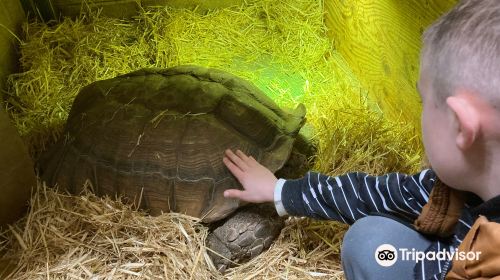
(448, 169)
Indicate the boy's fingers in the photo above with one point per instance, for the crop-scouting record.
(242, 155)
(249, 160)
(236, 160)
(233, 193)
(237, 172)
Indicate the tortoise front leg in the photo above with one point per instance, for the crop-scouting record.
(244, 235)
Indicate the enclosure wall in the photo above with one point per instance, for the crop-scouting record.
(16, 168)
(128, 8)
(381, 41)
(11, 17)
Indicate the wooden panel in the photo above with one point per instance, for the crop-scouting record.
(190, 4)
(381, 40)
(128, 8)
(111, 8)
(42, 9)
(16, 167)
(16, 171)
(11, 17)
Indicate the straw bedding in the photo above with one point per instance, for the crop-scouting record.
(279, 45)
(86, 237)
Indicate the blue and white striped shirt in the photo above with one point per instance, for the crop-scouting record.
(352, 196)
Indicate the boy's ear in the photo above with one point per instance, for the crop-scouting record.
(467, 119)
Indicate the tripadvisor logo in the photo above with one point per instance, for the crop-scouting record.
(387, 255)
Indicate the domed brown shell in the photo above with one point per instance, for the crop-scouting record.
(157, 137)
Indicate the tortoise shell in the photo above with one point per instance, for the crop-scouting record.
(157, 137)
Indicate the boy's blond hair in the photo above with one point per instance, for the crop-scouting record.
(462, 50)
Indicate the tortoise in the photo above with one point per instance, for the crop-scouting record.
(157, 136)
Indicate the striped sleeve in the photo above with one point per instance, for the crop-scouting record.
(352, 196)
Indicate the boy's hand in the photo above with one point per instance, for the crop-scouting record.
(258, 181)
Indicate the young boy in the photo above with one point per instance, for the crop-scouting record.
(422, 219)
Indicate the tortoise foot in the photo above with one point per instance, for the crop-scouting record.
(244, 235)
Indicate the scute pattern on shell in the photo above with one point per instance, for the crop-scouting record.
(157, 137)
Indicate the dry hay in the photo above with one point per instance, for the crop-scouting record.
(86, 237)
(98, 237)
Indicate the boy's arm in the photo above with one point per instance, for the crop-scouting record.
(354, 195)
